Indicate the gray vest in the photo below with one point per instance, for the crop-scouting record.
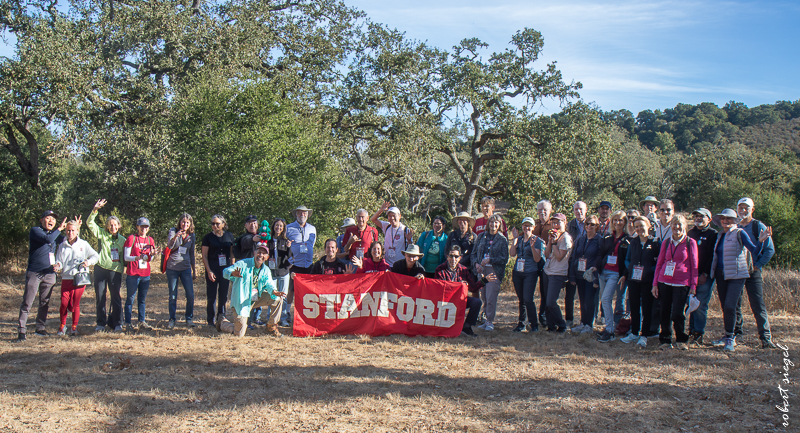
(734, 257)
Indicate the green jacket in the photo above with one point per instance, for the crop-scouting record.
(105, 244)
(242, 292)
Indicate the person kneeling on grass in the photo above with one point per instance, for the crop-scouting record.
(455, 272)
(253, 287)
(74, 255)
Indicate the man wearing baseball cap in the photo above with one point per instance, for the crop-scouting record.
(396, 236)
(604, 214)
(706, 239)
(348, 222)
(40, 277)
(754, 284)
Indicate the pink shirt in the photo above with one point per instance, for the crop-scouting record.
(685, 257)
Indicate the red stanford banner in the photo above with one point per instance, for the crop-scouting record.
(380, 303)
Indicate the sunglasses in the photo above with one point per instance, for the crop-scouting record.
(665, 210)
(591, 225)
(453, 256)
(216, 224)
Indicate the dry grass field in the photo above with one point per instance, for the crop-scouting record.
(196, 380)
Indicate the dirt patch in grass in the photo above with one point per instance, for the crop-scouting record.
(186, 380)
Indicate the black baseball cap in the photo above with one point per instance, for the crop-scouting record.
(250, 218)
(48, 213)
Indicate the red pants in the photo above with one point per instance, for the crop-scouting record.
(70, 301)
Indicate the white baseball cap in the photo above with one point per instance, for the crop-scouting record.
(394, 210)
(746, 200)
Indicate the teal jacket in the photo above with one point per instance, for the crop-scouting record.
(242, 292)
(425, 241)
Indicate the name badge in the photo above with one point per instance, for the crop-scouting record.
(612, 260)
(485, 256)
(142, 264)
(303, 249)
(637, 273)
(360, 253)
(390, 253)
(272, 264)
(114, 255)
(52, 258)
(669, 269)
(581, 264)
(434, 248)
(521, 265)
(181, 250)
(223, 261)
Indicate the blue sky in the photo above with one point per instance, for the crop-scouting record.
(630, 54)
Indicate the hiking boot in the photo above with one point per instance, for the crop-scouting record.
(721, 342)
(129, 327)
(468, 332)
(171, 324)
(587, 329)
(20, 337)
(118, 328)
(533, 329)
(143, 325)
(730, 344)
(766, 343)
(642, 341)
(273, 330)
(520, 327)
(606, 337)
(189, 323)
(630, 338)
(42, 333)
(62, 330)
(696, 340)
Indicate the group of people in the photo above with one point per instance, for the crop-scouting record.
(636, 272)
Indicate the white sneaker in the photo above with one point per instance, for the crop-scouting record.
(578, 328)
(642, 341)
(99, 328)
(62, 330)
(118, 328)
(171, 324)
(630, 338)
(587, 329)
(488, 326)
(482, 326)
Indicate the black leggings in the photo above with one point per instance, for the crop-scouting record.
(214, 290)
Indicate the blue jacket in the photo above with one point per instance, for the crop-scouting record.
(765, 250)
(42, 243)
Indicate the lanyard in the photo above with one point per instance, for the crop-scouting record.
(487, 243)
(674, 250)
(394, 235)
(139, 245)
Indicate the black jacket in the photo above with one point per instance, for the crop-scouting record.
(644, 255)
(706, 239)
(607, 248)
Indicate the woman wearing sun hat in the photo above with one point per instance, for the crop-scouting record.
(490, 256)
(730, 268)
(527, 248)
(464, 237)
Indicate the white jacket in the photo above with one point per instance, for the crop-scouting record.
(71, 256)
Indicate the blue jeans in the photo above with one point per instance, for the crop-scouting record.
(188, 287)
(282, 284)
(586, 294)
(609, 286)
(135, 284)
(697, 320)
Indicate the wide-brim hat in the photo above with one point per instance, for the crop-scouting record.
(294, 212)
(412, 250)
(466, 216)
(649, 199)
(730, 213)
